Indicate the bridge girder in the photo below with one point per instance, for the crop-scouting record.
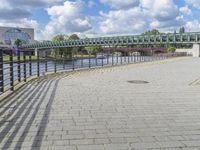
(176, 38)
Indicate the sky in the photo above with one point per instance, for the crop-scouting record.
(94, 18)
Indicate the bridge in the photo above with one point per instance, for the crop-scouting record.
(171, 38)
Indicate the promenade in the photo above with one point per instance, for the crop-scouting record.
(99, 109)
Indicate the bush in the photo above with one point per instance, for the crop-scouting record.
(171, 49)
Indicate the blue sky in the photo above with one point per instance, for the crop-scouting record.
(92, 18)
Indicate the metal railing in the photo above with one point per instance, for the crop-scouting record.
(18, 67)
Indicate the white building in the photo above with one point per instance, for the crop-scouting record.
(8, 35)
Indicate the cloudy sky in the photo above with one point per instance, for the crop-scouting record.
(92, 18)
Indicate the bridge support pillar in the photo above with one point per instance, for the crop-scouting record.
(196, 50)
(36, 52)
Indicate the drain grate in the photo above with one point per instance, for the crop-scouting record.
(137, 82)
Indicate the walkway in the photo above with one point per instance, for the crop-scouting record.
(100, 110)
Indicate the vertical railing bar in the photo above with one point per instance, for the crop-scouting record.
(19, 66)
(24, 58)
(89, 60)
(55, 63)
(131, 56)
(73, 65)
(117, 58)
(96, 61)
(121, 58)
(38, 63)
(128, 57)
(102, 59)
(107, 58)
(134, 57)
(30, 63)
(11, 71)
(81, 58)
(1, 71)
(46, 62)
(112, 59)
(63, 60)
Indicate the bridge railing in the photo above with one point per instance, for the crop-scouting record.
(20, 66)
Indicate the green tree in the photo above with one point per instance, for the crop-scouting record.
(152, 32)
(59, 51)
(171, 49)
(93, 50)
(73, 37)
(18, 42)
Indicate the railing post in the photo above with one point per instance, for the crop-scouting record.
(73, 65)
(38, 63)
(96, 61)
(24, 57)
(141, 56)
(131, 56)
(134, 57)
(1, 71)
(107, 58)
(63, 56)
(46, 62)
(30, 63)
(128, 58)
(102, 59)
(125, 57)
(89, 61)
(11, 71)
(55, 64)
(117, 58)
(121, 58)
(112, 59)
(18, 66)
(81, 58)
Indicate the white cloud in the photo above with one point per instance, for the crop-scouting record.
(91, 4)
(162, 10)
(194, 3)
(193, 26)
(25, 23)
(121, 4)
(185, 10)
(67, 18)
(34, 3)
(161, 14)
(129, 21)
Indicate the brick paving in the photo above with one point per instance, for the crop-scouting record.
(100, 110)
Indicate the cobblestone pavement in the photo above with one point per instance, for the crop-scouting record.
(100, 110)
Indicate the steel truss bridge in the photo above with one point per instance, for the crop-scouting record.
(172, 38)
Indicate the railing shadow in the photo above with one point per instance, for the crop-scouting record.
(28, 106)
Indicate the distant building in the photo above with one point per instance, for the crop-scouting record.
(8, 35)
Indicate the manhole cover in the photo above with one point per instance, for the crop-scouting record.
(137, 82)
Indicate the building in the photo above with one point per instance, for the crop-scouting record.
(8, 35)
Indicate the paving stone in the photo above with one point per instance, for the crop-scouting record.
(91, 147)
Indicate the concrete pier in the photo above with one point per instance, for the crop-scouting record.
(100, 110)
(194, 51)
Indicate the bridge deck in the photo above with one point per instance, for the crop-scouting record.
(100, 110)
